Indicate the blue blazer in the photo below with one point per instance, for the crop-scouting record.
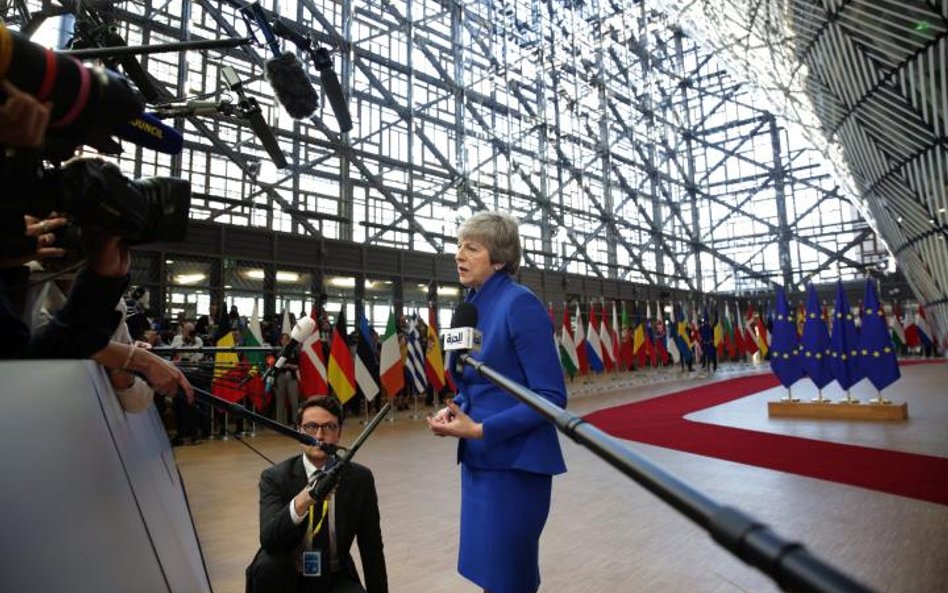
(518, 342)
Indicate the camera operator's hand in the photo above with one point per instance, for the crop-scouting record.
(23, 119)
(41, 231)
(44, 231)
(111, 257)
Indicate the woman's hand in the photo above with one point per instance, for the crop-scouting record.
(453, 422)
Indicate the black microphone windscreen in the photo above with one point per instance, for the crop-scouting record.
(292, 86)
(464, 316)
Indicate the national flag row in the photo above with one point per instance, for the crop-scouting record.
(603, 343)
(608, 341)
(408, 365)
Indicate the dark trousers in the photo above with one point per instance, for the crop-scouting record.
(270, 573)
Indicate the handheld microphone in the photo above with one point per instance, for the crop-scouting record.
(148, 131)
(463, 336)
(291, 85)
(302, 330)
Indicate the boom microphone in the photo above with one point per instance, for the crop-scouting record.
(148, 131)
(327, 76)
(291, 85)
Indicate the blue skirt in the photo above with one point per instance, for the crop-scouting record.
(502, 515)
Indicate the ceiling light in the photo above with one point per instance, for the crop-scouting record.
(189, 278)
(252, 274)
(343, 281)
(287, 276)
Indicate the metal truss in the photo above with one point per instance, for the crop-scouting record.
(626, 148)
(866, 81)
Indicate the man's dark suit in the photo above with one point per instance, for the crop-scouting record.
(357, 516)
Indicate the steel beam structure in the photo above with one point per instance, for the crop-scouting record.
(624, 145)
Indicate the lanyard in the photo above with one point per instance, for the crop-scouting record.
(311, 532)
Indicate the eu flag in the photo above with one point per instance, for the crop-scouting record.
(815, 353)
(785, 347)
(876, 354)
(844, 343)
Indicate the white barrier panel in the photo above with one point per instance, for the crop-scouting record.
(91, 498)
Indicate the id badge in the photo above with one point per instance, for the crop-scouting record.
(313, 563)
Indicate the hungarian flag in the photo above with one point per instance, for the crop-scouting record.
(341, 371)
(898, 331)
(313, 363)
(568, 355)
(391, 366)
(434, 359)
(366, 363)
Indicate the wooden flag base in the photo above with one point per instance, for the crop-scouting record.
(828, 410)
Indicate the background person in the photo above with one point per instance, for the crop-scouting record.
(508, 453)
(293, 524)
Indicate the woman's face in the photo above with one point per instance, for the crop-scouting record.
(474, 265)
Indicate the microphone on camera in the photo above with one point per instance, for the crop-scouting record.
(150, 132)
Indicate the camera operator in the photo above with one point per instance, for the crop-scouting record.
(110, 211)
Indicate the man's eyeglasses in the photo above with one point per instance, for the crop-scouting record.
(314, 427)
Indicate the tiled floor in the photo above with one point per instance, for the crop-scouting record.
(606, 533)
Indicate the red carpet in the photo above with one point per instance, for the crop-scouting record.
(660, 421)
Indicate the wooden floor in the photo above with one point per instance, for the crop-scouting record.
(605, 533)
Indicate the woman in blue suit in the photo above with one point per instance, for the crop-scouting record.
(508, 453)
